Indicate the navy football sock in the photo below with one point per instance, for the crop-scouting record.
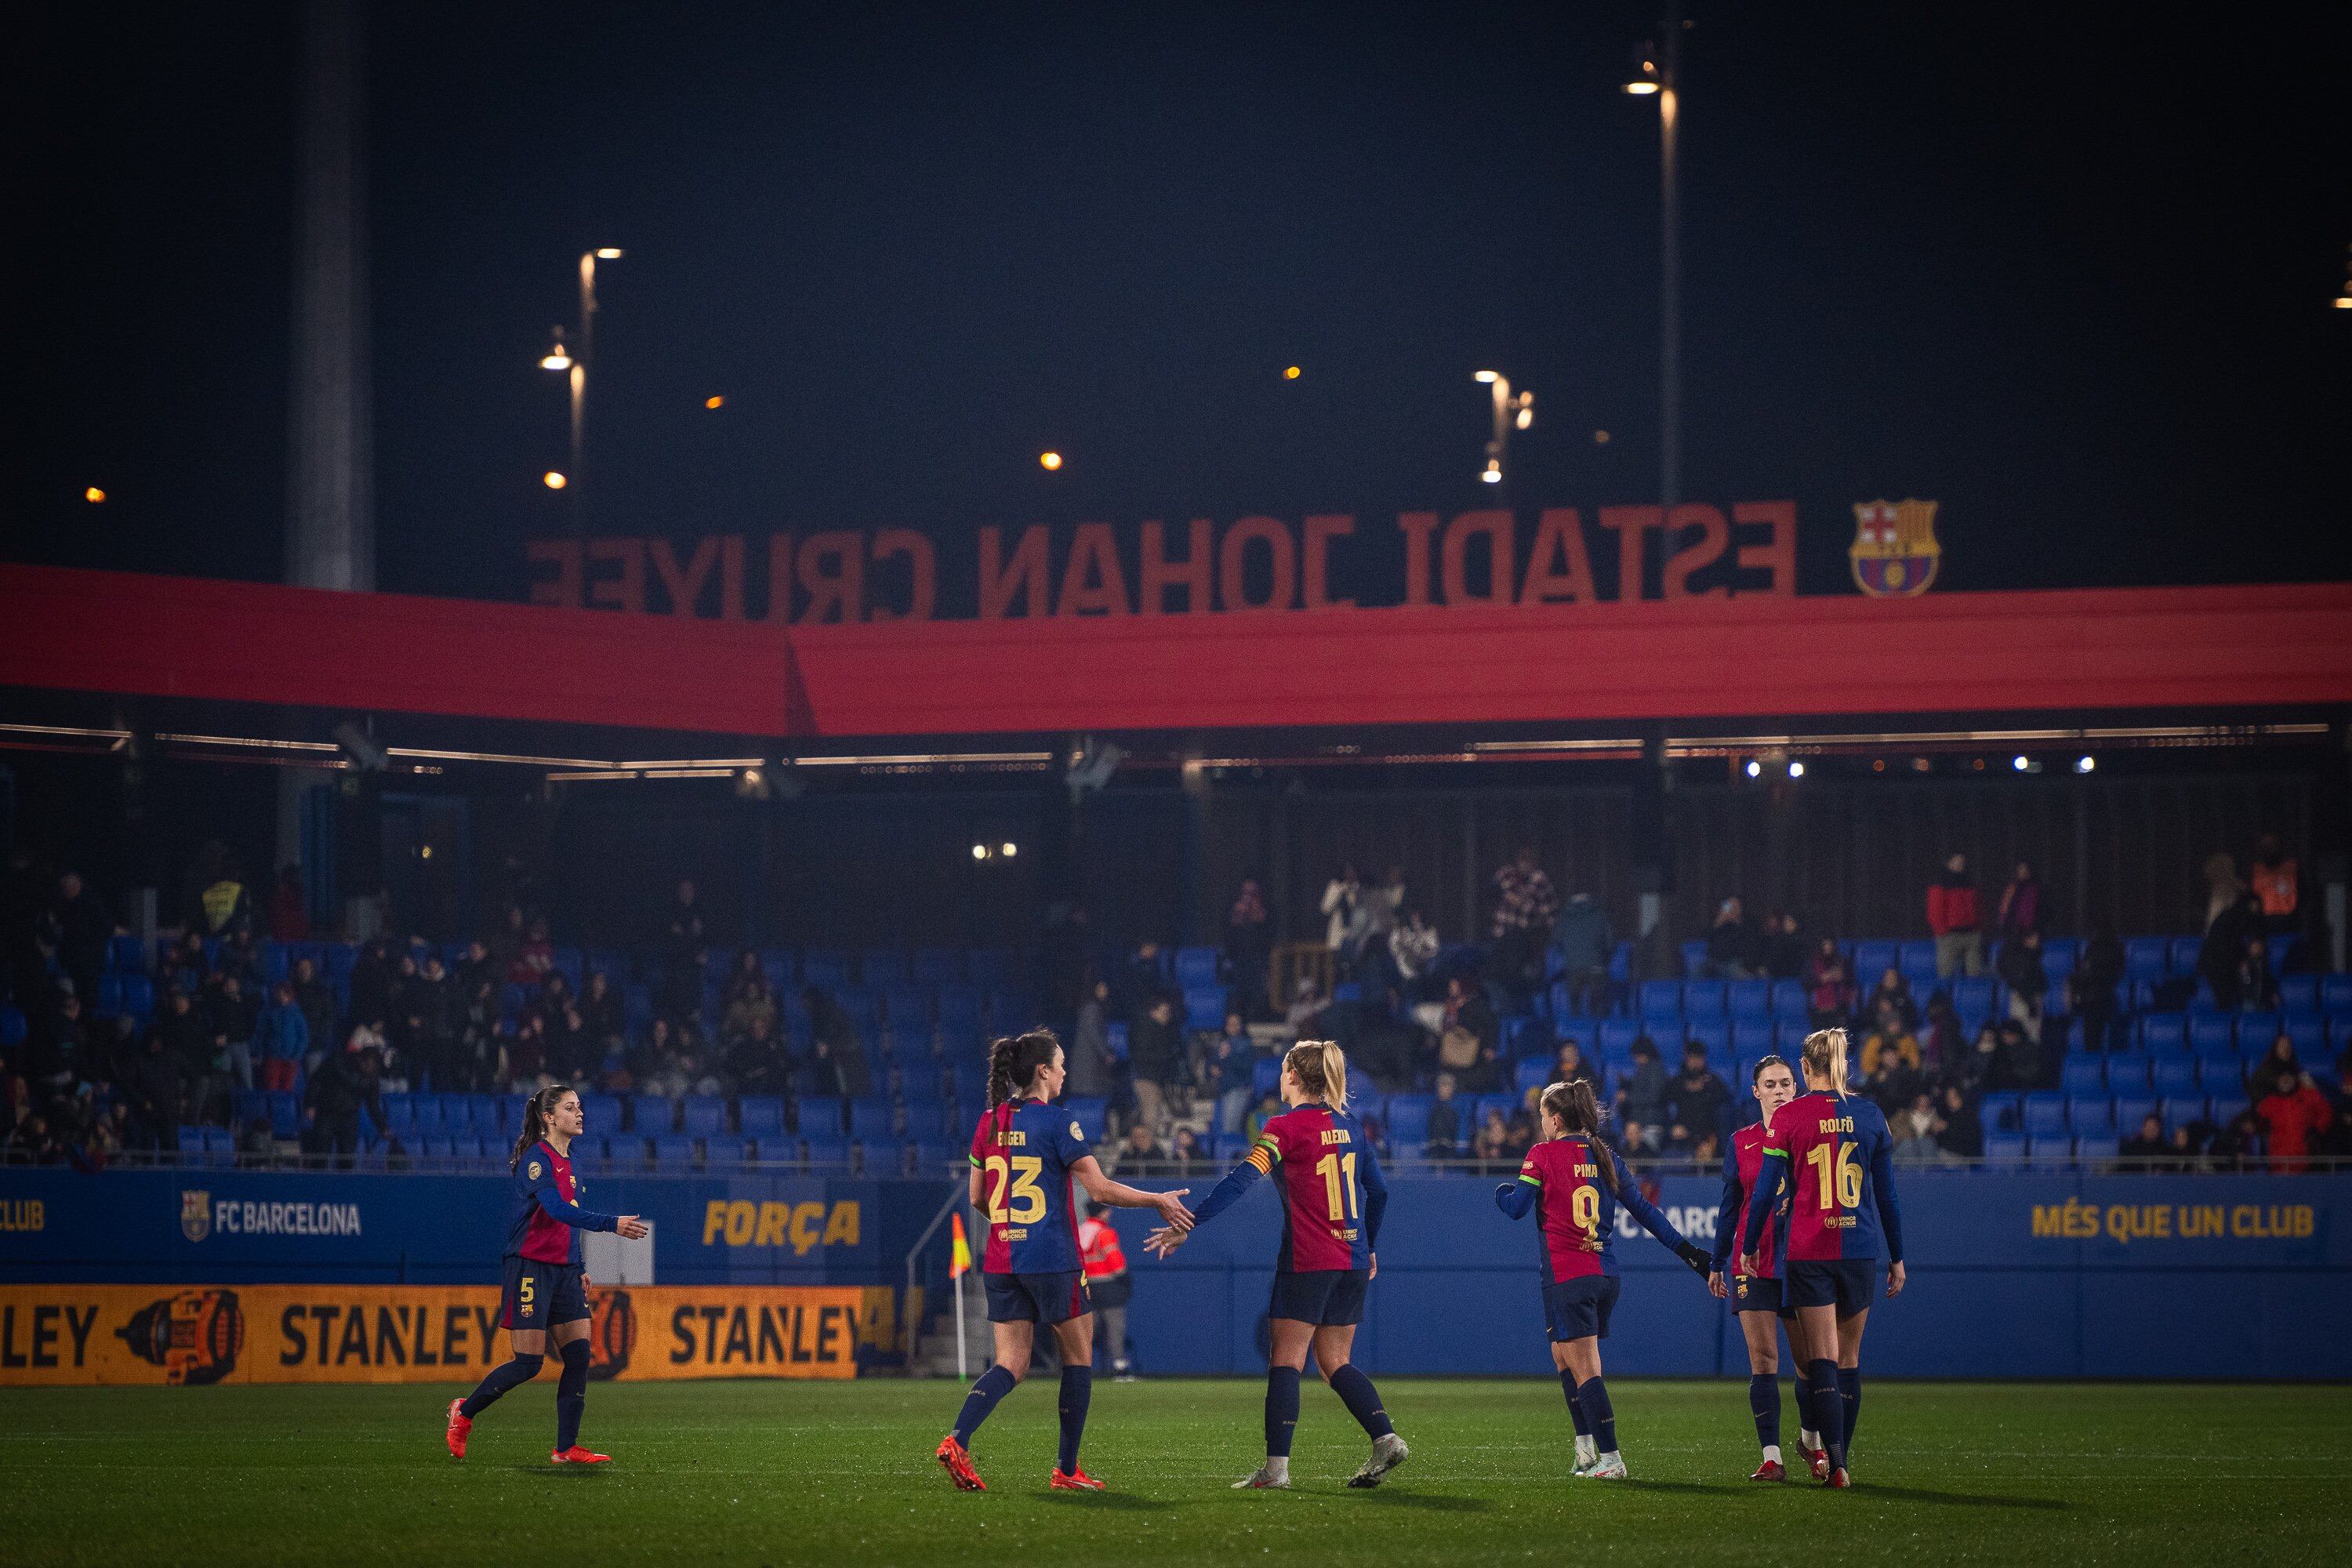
(1362, 1400)
(1850, 1394)
(1077, 1389)
(511, 1374)
(1764, 1402)
(1281, 1410)
(1593, 1395)
(1829, 1411)
(1575, 1409)
(571, 1395)
(992, 1385)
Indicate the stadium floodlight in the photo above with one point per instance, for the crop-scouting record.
(1755, 768)
(556, 358)
(2019, 763)
(1645, 81)
(1511, 412)
(608, 253)
(2085, 762)
(1796, 770)
(1009, 849)
(979, 851)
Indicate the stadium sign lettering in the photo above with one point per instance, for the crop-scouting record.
(24, 1214)
(803, 1226)
(1253, 564)
(717, 1339)
(46, 1328)
(2076, 1220)
(235, 1216)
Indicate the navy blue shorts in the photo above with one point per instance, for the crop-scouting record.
(1579, 1308)
(1760, 1296)
(541, 1295)
(1848, 1284)
(1037, 1297)
(1328, 1297)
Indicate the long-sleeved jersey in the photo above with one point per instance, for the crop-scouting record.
(1576, 1213)
(1743, 1166)
(1836, 1157)
(1024, 1150)
(1332, 1192)
(548, 1216)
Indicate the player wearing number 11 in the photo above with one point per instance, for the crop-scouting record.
(1833, 1151)
(1332, 1198)
(1024, 1154)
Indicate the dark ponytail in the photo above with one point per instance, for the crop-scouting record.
(1014, 1059)
(534, 1119)
(1579, 1112)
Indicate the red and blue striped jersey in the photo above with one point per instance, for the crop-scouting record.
(1743, 1166)
(1024, 1150)
(1836, 1157)
(1576, 1213)
(1328, 1173)
(548, 1216)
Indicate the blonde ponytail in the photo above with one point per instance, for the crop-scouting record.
(1322, 1069)
(1825, 1057)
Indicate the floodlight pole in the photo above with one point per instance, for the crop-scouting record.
(1670, 266)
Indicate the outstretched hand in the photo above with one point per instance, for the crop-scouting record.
(1163, 1241)
(1717, 1288)
(632, 1228)
(1172, 1210)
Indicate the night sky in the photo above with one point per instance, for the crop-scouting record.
(2067, 272)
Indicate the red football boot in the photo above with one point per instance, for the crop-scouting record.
(1816, 1460)
(1770, 1470)
(957, 1458)
(458, 1426)
(1077, 1481)
(1838, 1480)
(576, 1455)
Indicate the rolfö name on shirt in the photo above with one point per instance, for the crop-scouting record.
(1837, 1123)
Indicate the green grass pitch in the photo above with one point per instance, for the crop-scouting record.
(772, 1473)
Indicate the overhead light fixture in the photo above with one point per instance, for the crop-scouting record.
(1755, 768)
(2085, 762)
(1010, 849)
(608, 253)
(979, 851)
(1796, 770)
(2019, 763)
(1493, 474)
(558, 357)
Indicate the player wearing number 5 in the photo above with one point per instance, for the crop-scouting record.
(1332, 1196)
(1023, 1155)
(1574, 1181)
(1833, 1150)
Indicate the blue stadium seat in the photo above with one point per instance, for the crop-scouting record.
(879, 968)
(1748, 1001)
(1533, 1073)
(439, 1149)
(2335, 994)
(399, 1118)
(908, 1004)
(457, 1114)
(830, 1150)
(1871, 960)
(2131, 1109)
(2308, 1032)
(126, 954)
(702, 1116)
(337, 959)
(1204, 1006)
(1972, 995)
(760, 1115)
(2163, 1032)
(2046, 1115)
(2298, 994)
(2096, 1148)
(1789, 1003)
(909, 1041)
(925, 1122)
(673, 1151)
(821, 1116)
(861, 1006)
(1265, 1077)
(2127, 1071)
(1196, 966)
(2084, 1074)
(2177, 1079)
(139, 995)
(971, 1090)
(1617, 1035)
(511, 1107)
(1621, 960)
(991, 966)
(825, 966)
(601, 1111)
(2209, 1034)
(13, 1027)
(2144, 960)
(1694, 957)
(869, 1121)
(425, 1114)
(1915, 953)
(2091, 1114)
(2256, 1031)
(2004, 1149)
(1714, 1034)
(110, 995)
(959, 1003)
(1660, 999)
(1229, 1149)
(649, 1115)
(1011, 1010)
(725, 1151)
(2183, 952)
(1408, 1121)
(1703, 999)
(937, 965)
(2058, 955)
(569, 964)
(1752, 1039)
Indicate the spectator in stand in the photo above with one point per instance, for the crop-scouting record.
(2224, 886)
(1699, 1104)
(1185, 1155)
(572, 1055)
(2020, 1063)
(1782, 947)
(683, 943)
(1952, 916)
(1383, 906)
(1642, 1100)
(1413, 948)
(346, 1084)
(534, 960)
(2294, 1114)
(1731, 944)
(1307, 1006)
(290, 906)
(1228, 1065)
(2337, 1143)
(1145, 979)
(256, 1145)
(1345, 920)
(1960, 1128)
(1152, 1059)
(2239, 1144)
(1829, 986)
(474, 1057)
(59, 1054)
(83, 930)
(2091, 989)
(2280, 1069)
(2257, 988)
(154, 1085)
(1491, 1145)
(477, 966)
(1914, 1127)
(1977, 1069)
(1140, 1155)
(2021, 904)
(1525, 906)
(1891, 1009)
(1444, 1140)
(188, 965)
(746, 974)
(1944, 1037)
(749, 1004)
(602, 1012)
(2277, 885)
(756, 1061)
(1466, 1044)
(836, 1051)
(427, 1026)
(281, 1039)
(2220, 958)
(1582, 936)
(190, 1045)
(30, 1142)
(1092, 1068)
(1570, 1066)
(1249, 943)
(526, 1055)
(2148, 1142)
(1900, 1078)
(374, 972)
(2021, 971)
(1268, 1107)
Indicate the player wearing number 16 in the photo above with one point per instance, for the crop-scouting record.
(1024, 1154)
(1833, 1152)
(1332, 1198)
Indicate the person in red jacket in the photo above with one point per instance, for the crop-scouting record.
(1109, 1285)
(1952, 916)
(2295, 1113)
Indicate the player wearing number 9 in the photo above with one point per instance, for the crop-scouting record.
(1024, 1154)
(1332, 1198)
(1574, 1181)
(1834, 1150)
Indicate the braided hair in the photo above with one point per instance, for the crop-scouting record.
(1014, 1060)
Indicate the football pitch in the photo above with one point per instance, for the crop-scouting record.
(772, 1473)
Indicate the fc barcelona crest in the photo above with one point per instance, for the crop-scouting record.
(195, 1214)
(1895, 552)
